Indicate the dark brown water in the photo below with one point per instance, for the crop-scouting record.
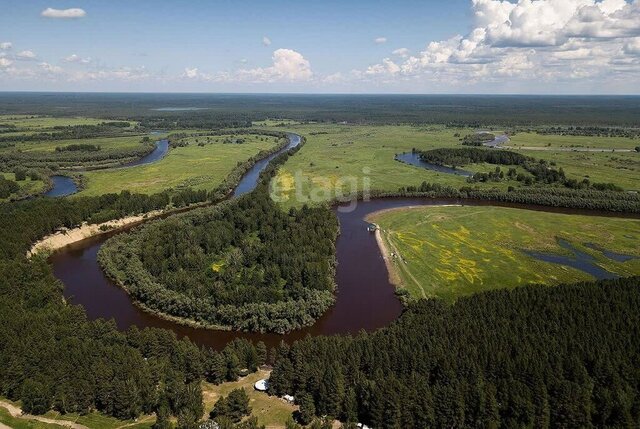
(365, 300)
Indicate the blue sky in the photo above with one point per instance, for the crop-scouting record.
(460, 46)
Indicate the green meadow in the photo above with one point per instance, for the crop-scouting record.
(27, 186)
(345, 157)
(448, 252)
(553, 141)
(105, 143)
(199, 165)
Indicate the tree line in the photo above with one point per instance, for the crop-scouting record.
(541, 171)
(519, 358)
(68, 132)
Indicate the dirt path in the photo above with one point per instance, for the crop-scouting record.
(17, 413)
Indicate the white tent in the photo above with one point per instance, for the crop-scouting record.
(261, 385)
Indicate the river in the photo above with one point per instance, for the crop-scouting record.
(64, 185)
(365, 299)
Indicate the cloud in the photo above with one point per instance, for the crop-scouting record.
(266, 41)
(288, 66)
(50, 68)
(63, 13)
(632, 47)
(73, 58)
(543, 40)
(5, 46)
(26, 55)
(380, 40)
(386, 67)
(5, 62)
(401, 52)
(190, 73)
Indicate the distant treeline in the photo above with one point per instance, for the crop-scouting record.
(232, 110)
(535, 356)
(541, 170)
(590, 199)
(477, 139)
(70, 132)
(78, 147)
(631, 133)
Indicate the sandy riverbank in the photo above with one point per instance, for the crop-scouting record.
(64, 238)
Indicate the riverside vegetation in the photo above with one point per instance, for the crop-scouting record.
(504, 358)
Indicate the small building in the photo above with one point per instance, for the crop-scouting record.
(372, 227)
(290, 399)
(261, 385)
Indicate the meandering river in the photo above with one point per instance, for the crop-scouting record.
(64, 185)
(365, 298)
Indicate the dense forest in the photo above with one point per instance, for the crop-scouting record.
(7, 187)
(238, 110)
(54, 358)
(536, 356)
(243, 263)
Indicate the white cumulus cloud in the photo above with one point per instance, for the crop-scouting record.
(380, 40)
(266, 41)
(5, 46)
(401, 52)
(73, 58)
(63, 13)
(543, 40)
(288, 65)
(26, 55)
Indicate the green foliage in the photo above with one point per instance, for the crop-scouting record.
(277, 273)
(519, 358)
(7, 187)
(234, 407)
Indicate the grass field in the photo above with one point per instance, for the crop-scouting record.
(18, 423)
(270, 410)
(448, 252)
(41, 123)
(27, 186)
(106, 143)
(346, 157)
(198, 167)
(572, 142)
(620, 168)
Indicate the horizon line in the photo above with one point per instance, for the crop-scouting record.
(325, 93)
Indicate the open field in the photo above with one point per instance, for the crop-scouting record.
(27, 186)
(270, 410)
(42, 123)
(448, 252)
(552, 141)
(620, 168)
(105, 143)
(347, 157)
(198, 167)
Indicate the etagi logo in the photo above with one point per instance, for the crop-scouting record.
(302, 188)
